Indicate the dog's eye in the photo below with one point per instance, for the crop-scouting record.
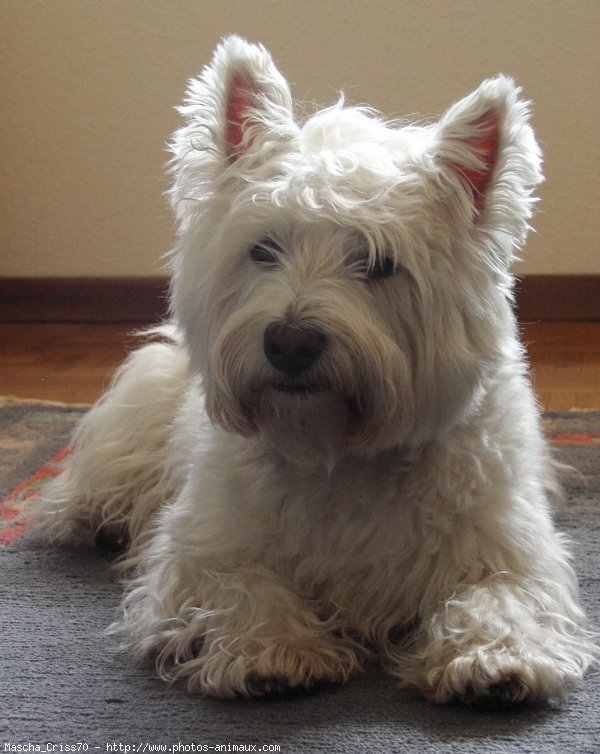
(264, 253)
(382, 267)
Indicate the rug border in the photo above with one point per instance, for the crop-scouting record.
(13, 400)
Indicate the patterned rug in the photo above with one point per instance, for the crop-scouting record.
(63, 682)
(33, 442)
(34, 438)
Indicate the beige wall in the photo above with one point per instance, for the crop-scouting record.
(88, 86)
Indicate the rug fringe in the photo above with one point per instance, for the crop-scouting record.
(11, 400)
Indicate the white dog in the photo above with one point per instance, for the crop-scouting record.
(333, 451)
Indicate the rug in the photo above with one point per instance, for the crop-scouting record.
(33, 440)
(63, 683)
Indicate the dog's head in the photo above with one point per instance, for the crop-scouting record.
(342, 282)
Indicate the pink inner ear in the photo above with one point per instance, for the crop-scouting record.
(241, 96)
(487, 151)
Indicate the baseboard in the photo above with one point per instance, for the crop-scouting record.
(143, 300)
(569, 298)
(139, 300)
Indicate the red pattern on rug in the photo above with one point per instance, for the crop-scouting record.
(575, 440)
(13, 506)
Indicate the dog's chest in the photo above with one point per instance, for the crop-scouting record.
(348, 538)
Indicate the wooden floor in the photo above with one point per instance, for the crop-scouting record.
(72, 363)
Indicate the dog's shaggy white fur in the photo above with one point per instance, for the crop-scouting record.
(333, 450)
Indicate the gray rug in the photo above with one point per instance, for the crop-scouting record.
(63, 683)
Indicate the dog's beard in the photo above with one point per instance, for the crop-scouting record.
(309, 428)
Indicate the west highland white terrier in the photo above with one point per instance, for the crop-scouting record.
(333, 451)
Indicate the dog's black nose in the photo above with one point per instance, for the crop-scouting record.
(292, 349)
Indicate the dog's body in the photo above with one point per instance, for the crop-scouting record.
(334, 450)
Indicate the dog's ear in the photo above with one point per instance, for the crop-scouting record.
(487, 150)
(256, 96)
(239, 100)
(238, 115)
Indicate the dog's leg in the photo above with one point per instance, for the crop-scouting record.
(119, 470)
(504, 639)
(219, 619)
(515, 635)
(499, 616)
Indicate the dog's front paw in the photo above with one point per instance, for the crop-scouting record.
(271, 668)
(497, 676)
(495, 644)
(289, 668)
